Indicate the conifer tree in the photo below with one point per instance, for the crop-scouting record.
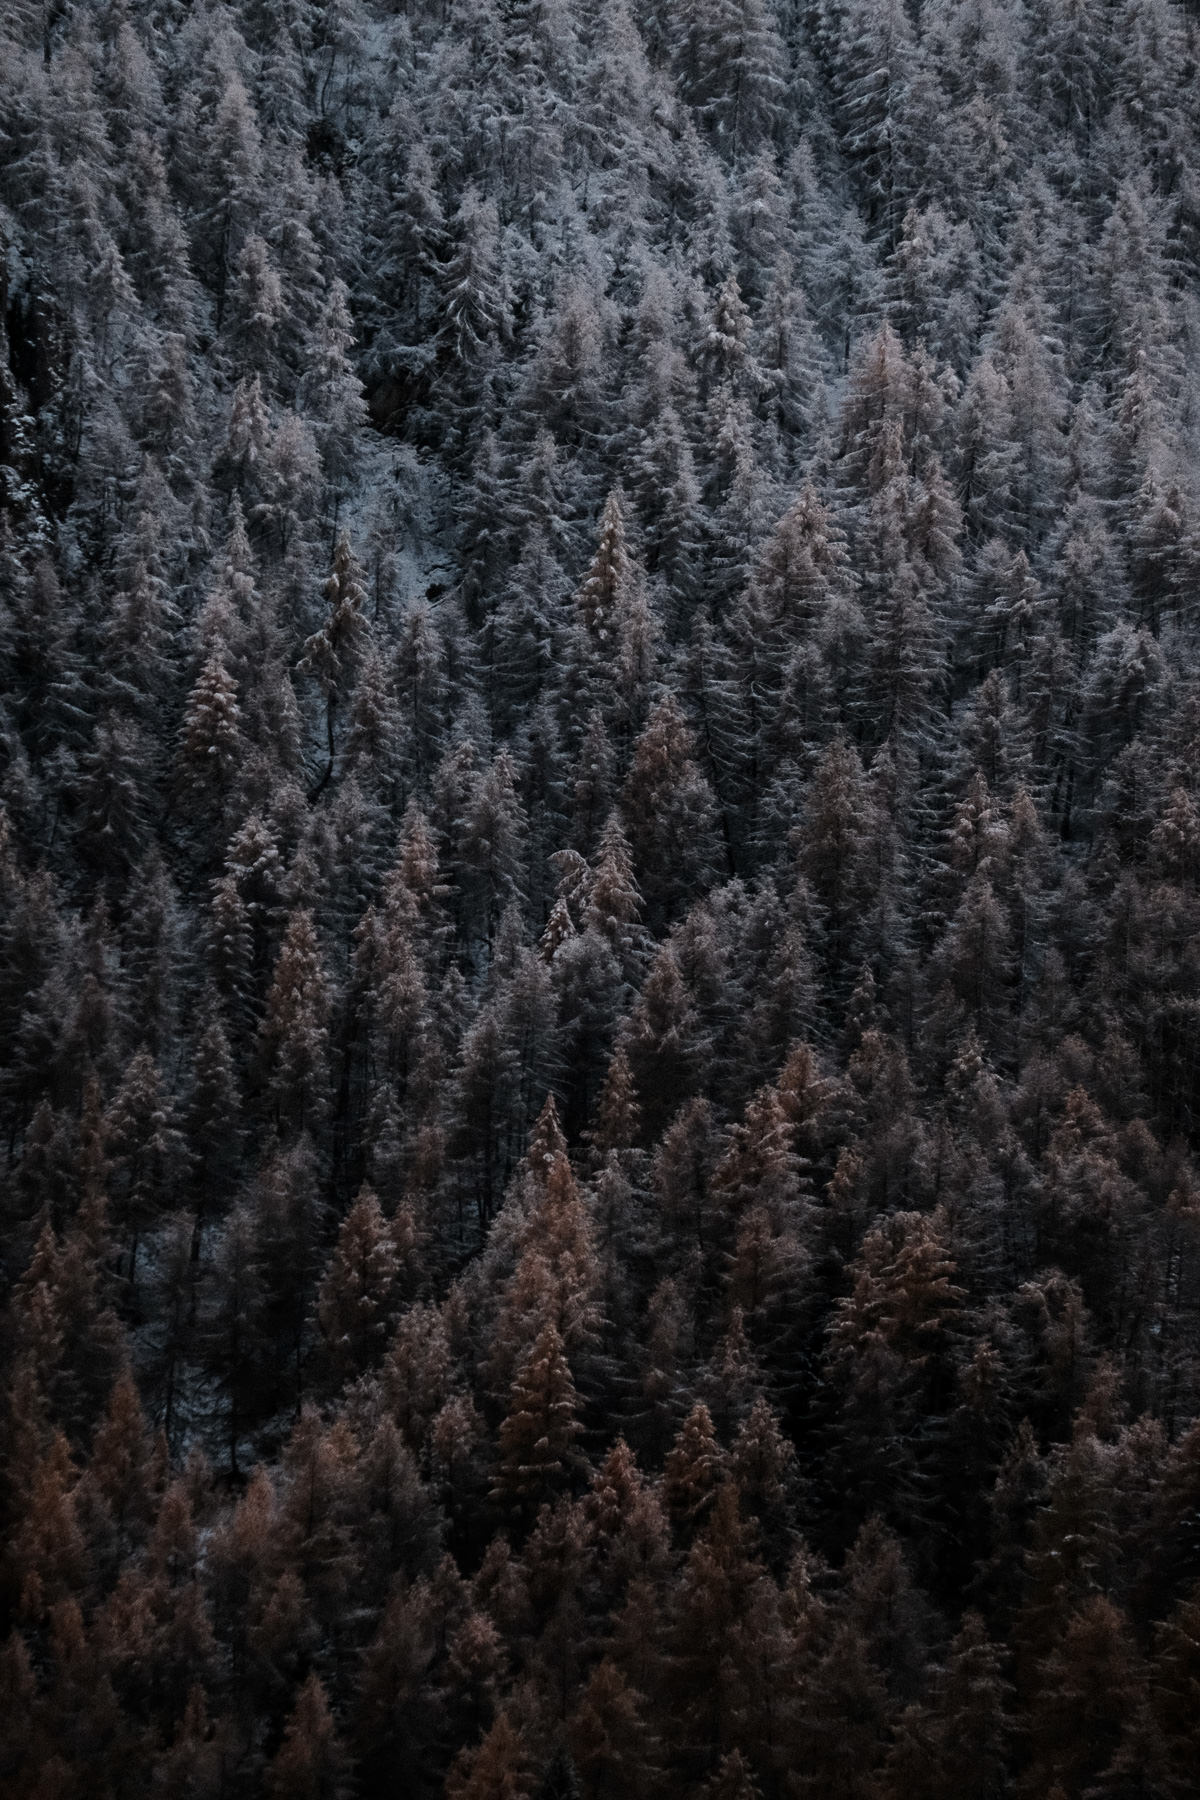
(961, 1732)
(669, 813)
(612, 1742)
(145, 1153)
(615, 632)
(499, 1767)
(330, 654)
(536, 1441)
(357, 1293)
(294, 1031)
(310, 1763)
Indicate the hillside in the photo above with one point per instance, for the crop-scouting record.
(599, 899)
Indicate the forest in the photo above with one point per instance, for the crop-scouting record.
(600, 899)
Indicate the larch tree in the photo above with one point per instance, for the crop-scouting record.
(310, 1763)
(357, 1293)
(537, 1436)
(294, 1033)
(645, 555)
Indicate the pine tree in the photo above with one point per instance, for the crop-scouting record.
(145, 1151)
(331, 389)
(731, 68)
(615, 632)
(231, 170)
(537, 1435)
(120, 1470)
(474, 305)
(960, 1733)
(721, 1623)
(555, 1279)
(49, 1558)
(665, 1040)
(876, 76)
(405, 242)
(668, 494)
(310, 1763)
(212, 747)
(833, 846)
(1091, 1682)
(331, 654)
(892, 1350)
(670, 814)
(613, 1745)
(358, 1292)
(254, 309)
(294, 1032)
(694, 1469)
(497, 1770)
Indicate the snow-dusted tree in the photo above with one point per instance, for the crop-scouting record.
(612, 657)
(331, 653)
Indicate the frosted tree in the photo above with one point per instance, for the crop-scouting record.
(331, 654)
